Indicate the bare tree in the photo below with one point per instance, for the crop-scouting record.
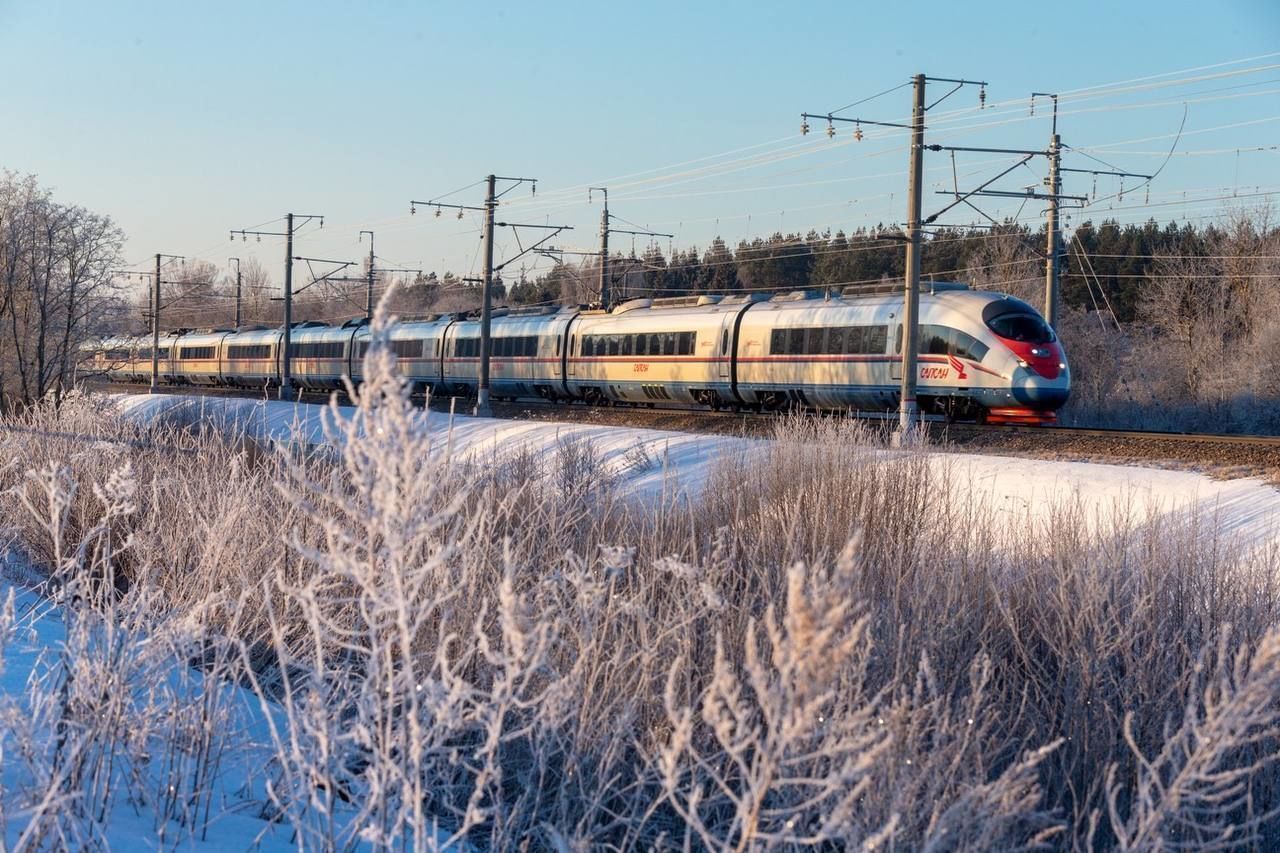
(55, 286)
(1004, 262)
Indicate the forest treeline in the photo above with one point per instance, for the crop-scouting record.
(1104, 263)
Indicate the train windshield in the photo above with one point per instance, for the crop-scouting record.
(1026, 328)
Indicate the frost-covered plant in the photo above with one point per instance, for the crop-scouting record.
(1199, 791)
(782, 752)
(113, 716)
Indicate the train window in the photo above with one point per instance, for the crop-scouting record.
(573, 343)
(943, 340)
(1026, 328)
(724, 342)
(684, 343)
(615, 345)
(242, 351)
(628, 344)
(195, 353)
(530, 346)
(669, 343)
(361, 349)
(967, 346)
(321, 349)
(402, 349)
(437, 347)
(815, 340)
(778, 341)
(795, 342)
(501, 347)
(557, 346)
(836, 339)
(874, 339)
(934, 340)
(897, 340)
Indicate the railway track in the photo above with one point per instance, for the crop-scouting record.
(1142, 435)
(1218, 454)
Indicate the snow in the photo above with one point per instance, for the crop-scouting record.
(36, 638)
(1019, 490)
(644, 463)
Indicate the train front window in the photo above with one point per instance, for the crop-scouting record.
(1024, 328)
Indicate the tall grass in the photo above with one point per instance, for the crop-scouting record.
(831, 643)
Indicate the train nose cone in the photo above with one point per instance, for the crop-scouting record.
(1036, 395)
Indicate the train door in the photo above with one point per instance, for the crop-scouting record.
(895, 365)
(572, 352)
(723, 360)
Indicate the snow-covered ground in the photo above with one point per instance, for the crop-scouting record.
(643, 462)
(1019, 489)
(30, 653)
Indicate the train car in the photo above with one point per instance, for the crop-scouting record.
(112, 358)
(250, 358)
(197, 357)
(845, 353)
(320, 355)
(140, 365)
(418, 345)
(663, 350)
(527, 357)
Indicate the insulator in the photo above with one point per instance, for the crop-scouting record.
(233, 238)
(1147, 199)
(1120, 197)
(438, 212)
(459, 214)
(1033, 105)
(804, 127)
(412, 210)
(535, 188)
(1095, 186)
(831, 130)
(982, 97)
(259, 238)
(857, 132)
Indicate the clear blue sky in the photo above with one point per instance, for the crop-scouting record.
(184, 120)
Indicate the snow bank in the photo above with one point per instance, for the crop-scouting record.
(1018, 490)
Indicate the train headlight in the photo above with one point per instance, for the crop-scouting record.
(1040, 352)
(1062, 365)
(1023, 363)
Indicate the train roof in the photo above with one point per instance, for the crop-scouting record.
(201, 337)
(256, 336)
(314, 333)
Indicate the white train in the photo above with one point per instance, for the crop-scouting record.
(982, 356)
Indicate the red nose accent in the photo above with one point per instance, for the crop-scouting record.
(1045, 365)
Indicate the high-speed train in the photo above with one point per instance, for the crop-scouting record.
(983, 356)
